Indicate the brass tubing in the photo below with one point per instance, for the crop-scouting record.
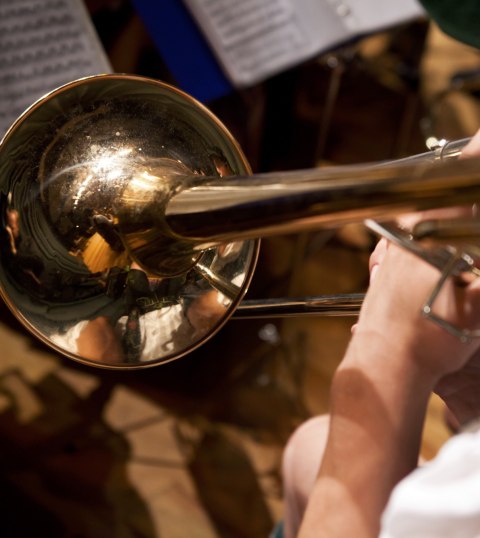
(323, 305)
(112, 189)
(219, 210)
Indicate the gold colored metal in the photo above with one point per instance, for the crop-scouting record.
(268, 204)
(130, 219)
(88, 263)
(347, 304)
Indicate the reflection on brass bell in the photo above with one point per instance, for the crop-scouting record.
(88, 263)
(130, 220)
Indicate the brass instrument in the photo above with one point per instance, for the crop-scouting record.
(130, 219)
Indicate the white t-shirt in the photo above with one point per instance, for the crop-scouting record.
(440, 499)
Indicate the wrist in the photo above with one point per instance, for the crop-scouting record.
(382, 359)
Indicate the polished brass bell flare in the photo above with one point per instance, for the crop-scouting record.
(88, 262)
(130, 218)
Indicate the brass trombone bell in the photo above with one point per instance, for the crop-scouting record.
(131, 220)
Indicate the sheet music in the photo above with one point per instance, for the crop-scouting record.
(254, 39)
(43, 44)
(365, 16)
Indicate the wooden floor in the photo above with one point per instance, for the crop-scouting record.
(193, 448)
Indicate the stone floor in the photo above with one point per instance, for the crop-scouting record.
(193, 448)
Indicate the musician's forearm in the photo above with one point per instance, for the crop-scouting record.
(377, 416)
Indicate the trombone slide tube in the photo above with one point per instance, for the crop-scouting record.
(324, 305)
(221, 210)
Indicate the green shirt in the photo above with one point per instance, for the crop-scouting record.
(459, 19)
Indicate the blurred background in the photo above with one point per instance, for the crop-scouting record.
(193, 448)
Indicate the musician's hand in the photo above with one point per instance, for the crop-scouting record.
(392, 312)
(459, 389)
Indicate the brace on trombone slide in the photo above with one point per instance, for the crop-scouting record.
(461, 266)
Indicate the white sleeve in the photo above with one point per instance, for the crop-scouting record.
(440, 499)
(68, 340)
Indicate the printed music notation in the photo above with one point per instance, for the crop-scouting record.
(43, 44)
(255, 39)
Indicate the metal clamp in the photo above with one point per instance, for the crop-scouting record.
(457, 262)
(447, 260)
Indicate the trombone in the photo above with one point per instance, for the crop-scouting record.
(129, 210)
